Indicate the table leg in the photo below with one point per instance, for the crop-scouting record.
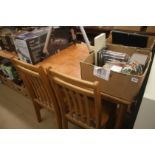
(121, 116)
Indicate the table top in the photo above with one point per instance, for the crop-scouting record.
(68, 61)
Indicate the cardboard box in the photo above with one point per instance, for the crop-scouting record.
(119, 85)
(150, 41)
(29, 46)
(150, 29)
(6, 41)
(7, 38)
(127, 28)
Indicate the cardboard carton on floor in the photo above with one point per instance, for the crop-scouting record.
(149, 44)
(119, 85)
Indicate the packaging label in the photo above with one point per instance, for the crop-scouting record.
(134, 79)
(101, 73)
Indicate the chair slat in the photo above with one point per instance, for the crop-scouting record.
(73, 98)
(34, 87)
(80, 104)
(87, 109)
(43, 92)
(68, 101)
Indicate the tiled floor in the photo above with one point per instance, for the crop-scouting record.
(16, 111)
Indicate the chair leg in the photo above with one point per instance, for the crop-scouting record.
(37, 110)
(59, 121)
(65, 124)
(58, 117)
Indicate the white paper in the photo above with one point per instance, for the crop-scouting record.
(116, 69)
(134, 79)
(101, 73)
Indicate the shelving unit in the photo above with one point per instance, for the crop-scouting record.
(7, 55)
(19, 88)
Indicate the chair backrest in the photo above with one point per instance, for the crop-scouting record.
(36, 81)
(79, 100)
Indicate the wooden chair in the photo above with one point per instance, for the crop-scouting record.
(36, 81)
(79, 101)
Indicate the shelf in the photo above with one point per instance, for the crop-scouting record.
(20, 89)
(7, 55)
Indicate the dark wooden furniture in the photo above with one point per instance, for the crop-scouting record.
(39, 88)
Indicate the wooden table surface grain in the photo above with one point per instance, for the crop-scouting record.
(68, 60)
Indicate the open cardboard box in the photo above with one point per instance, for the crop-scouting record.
(127, 28)
(149, 46)
(119, 85)
(150, 29)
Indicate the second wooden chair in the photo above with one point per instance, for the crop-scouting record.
(79, 101)
(37, 83)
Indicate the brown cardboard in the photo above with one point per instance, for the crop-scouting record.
(119, 84)
(150, 43)
(127, 28)
(150, 29)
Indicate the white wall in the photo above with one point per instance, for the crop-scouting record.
(146, 115)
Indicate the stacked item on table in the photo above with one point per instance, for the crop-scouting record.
(29, 46)
(129, 39)
(7, 37)
(111, 57)
(121, 62)
(136, 64)
(111, 60)
(61, 38)
(6, 40)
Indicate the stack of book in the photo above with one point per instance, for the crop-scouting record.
(108, 56)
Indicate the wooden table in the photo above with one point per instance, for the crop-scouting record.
(68, 62)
